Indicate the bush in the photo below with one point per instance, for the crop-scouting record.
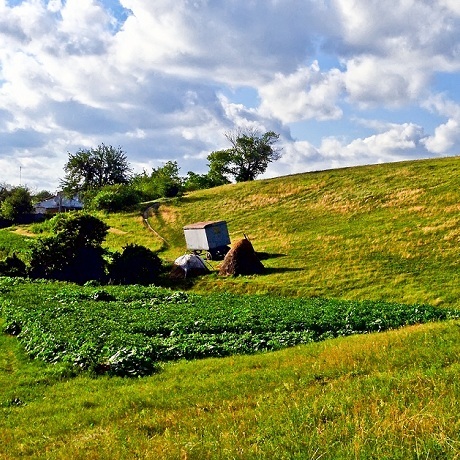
(195, 181)
(115, 198)
(87, 264)
(54, 258)
(163, 182)
(80, 229)
(74, 253)
(135, 265)
(13, 266)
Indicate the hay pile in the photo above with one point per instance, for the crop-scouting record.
(241, 260)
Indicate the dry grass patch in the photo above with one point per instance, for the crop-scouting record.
(24, 232)
(334, 202)
(453, 235)
(404, 197)
(447, 224)
(169, 214)
(117, 231)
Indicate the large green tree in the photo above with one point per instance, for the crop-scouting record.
(249, 155)
(91, 169)
(17, 203)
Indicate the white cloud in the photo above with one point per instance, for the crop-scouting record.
(452, 5)
(392, 49)
(447, 135)
(375, 81)
(152, 80)
(397, 141)
(393, 143)
(307, 93)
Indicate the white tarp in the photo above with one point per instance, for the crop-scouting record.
(191, 262)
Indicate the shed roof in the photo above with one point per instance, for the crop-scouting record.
(200, 225)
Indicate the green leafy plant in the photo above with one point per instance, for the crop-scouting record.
(113, 198)
(127, 331)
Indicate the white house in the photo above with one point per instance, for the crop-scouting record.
(58, 203)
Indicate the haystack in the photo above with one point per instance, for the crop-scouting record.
(188, 266)
(241, 260)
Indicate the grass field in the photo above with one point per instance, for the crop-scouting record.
(388, 232)
(393, 395)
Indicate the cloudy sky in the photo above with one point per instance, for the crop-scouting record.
(344, 82)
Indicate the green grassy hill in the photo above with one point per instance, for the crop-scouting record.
(387, 232)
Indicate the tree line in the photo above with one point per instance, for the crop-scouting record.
(103, 178)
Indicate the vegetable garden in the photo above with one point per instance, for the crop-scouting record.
(130, 330)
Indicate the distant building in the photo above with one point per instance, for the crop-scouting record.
(56, 204)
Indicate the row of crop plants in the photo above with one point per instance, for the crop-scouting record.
(129, 330)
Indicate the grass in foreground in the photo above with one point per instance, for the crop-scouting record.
(389, 395)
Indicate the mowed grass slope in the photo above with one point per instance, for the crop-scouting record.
(379, 232)
(388, 231)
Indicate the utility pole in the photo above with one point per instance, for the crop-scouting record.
(20, 176)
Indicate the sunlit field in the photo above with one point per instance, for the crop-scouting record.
(383, 236)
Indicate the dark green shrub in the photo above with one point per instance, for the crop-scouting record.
(49, 256)
(80, 229)
(74, 253)
(13, 266)
(135, 265)
(86, 264)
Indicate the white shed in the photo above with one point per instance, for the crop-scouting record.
(209, 236)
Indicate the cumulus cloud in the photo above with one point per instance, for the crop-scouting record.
(304, 94)
(374, 81)
(394, 142)
(447, 135)
(157, 78)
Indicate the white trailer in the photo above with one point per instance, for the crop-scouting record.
(211, 237)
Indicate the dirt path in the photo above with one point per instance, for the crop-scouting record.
(24, 232)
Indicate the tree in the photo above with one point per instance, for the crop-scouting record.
(194, 181)
(74, 253)
(92, 169)
(167, 179)
(163, 181)
(248, 156)
(17, 204)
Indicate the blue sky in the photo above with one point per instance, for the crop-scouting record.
(344, 82)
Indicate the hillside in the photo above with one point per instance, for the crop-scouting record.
(389, 231)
